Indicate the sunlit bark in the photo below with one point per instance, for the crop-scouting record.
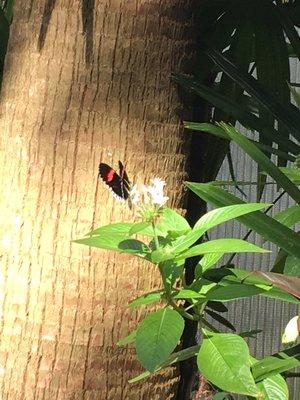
(85, 81)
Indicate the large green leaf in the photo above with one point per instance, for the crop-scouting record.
(274, 387)
(115, 237)
(221, 246)
(157, 336)
(266, 226)
(263, 161)
(224, 360)
(212, 219)
(277, 363)
(232, 292)
(219, 132)
(276, 286)
(223, 214)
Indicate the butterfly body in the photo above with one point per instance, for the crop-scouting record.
(118, 183)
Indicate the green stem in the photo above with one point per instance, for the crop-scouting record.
(155, 235)
(168, 293)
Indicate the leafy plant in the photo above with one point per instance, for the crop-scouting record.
(258, 36)
(223, 358)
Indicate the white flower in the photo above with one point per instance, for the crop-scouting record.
(291, 331)
(156, 191)
(135, 195)
(151, 194)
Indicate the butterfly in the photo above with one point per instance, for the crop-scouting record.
(119, 184)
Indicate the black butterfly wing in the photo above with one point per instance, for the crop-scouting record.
(112, 180)
(125, 181)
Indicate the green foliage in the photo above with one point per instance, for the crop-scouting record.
(157, 336)
(223, 358)
(229, 366)
(276, 364)
(261, 104)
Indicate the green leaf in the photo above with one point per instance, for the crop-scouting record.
(232, 292)
(287, 115)
(290, 29)
(147, 298)
(188, 294)
(138, 227)
(290, 284)
(169, 221)
(113, 237)
(263, 161)
(274, 387)
(277, 363)
(266, 226)
(206, 262)
(9, 10)
(221, 246)
(127, 339)
(289, 217)
(119, 231)
(133, 246)
(224, 360)
(173, 358)
(223, 214)
(292, 266)
(212, 219)
(171, 271)
(238, 112)
(286, 264)
(162, 254)
(292, 173)
(217, 306)
(157, 336)
(220, 319)
(219, 132)
(263, 280)
(172, 221)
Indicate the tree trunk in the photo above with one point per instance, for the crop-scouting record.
(84, 81)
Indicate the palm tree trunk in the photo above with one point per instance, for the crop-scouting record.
(84, 81)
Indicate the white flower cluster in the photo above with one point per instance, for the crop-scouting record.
(151, 194)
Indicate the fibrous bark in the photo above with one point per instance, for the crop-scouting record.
(84, 82)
